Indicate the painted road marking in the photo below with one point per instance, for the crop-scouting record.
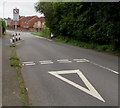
(68, 61)
(49, 39)
(28, 63)
(104, 67)
(46, 62)
(64, 61)
(91, 90)
(81, 60)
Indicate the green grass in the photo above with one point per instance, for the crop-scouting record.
(94, 46)
(14, 58)
(15, 62)
(41, 34)
(13, 45)
(22, 87)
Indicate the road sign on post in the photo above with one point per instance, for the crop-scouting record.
(15, 16)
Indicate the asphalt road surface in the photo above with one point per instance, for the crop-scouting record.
(57, 74)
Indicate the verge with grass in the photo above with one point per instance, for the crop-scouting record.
(13, 45)
(41, 34)
(102, 48)
(15, 62)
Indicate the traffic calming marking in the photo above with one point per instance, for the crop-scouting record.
(46, 62)
(91, 90)
(28, 63)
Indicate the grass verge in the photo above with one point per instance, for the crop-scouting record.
(102, 48)
(13, 45)
(15, 62)
(41, 34)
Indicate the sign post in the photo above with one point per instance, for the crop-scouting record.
(15, 17)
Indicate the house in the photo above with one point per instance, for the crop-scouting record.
(29, 23)
(39, 24)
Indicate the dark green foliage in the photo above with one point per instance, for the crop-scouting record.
(3, 27)
(84, 21)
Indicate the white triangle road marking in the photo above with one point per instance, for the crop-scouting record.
(91, 90)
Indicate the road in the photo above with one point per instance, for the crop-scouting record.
(57, 74)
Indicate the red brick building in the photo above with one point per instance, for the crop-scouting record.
(29, 23)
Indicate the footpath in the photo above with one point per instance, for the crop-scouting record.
(10, 87)
(0, 71)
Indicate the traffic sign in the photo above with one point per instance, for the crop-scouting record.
(16, 14)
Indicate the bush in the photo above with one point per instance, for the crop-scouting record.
(3, 24)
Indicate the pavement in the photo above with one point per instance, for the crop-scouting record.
(10, 88)
(0, 71)
(57, 74)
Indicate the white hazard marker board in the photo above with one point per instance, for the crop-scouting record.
(91, 90)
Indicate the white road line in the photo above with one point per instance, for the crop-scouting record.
(46, 62)
(64, 61)
(81, 60)
(91, 90)
(40, 37)
(105, 67)
(49, 39)
(31, 64)
(28, 63)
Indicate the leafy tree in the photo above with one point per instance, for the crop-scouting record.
(84, 21)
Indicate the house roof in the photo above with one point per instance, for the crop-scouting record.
(41, 19)
(27, 19)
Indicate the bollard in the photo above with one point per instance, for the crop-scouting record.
(19, 36)
(11, 41)
(13, 38)
(16, 38)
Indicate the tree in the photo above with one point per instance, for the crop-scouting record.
(83, 21)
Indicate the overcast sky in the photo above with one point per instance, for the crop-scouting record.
(26, 8)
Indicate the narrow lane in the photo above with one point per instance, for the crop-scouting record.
(41, 56)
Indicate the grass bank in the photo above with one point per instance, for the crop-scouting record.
(15, 62)
(101, 48)
(41, 34)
